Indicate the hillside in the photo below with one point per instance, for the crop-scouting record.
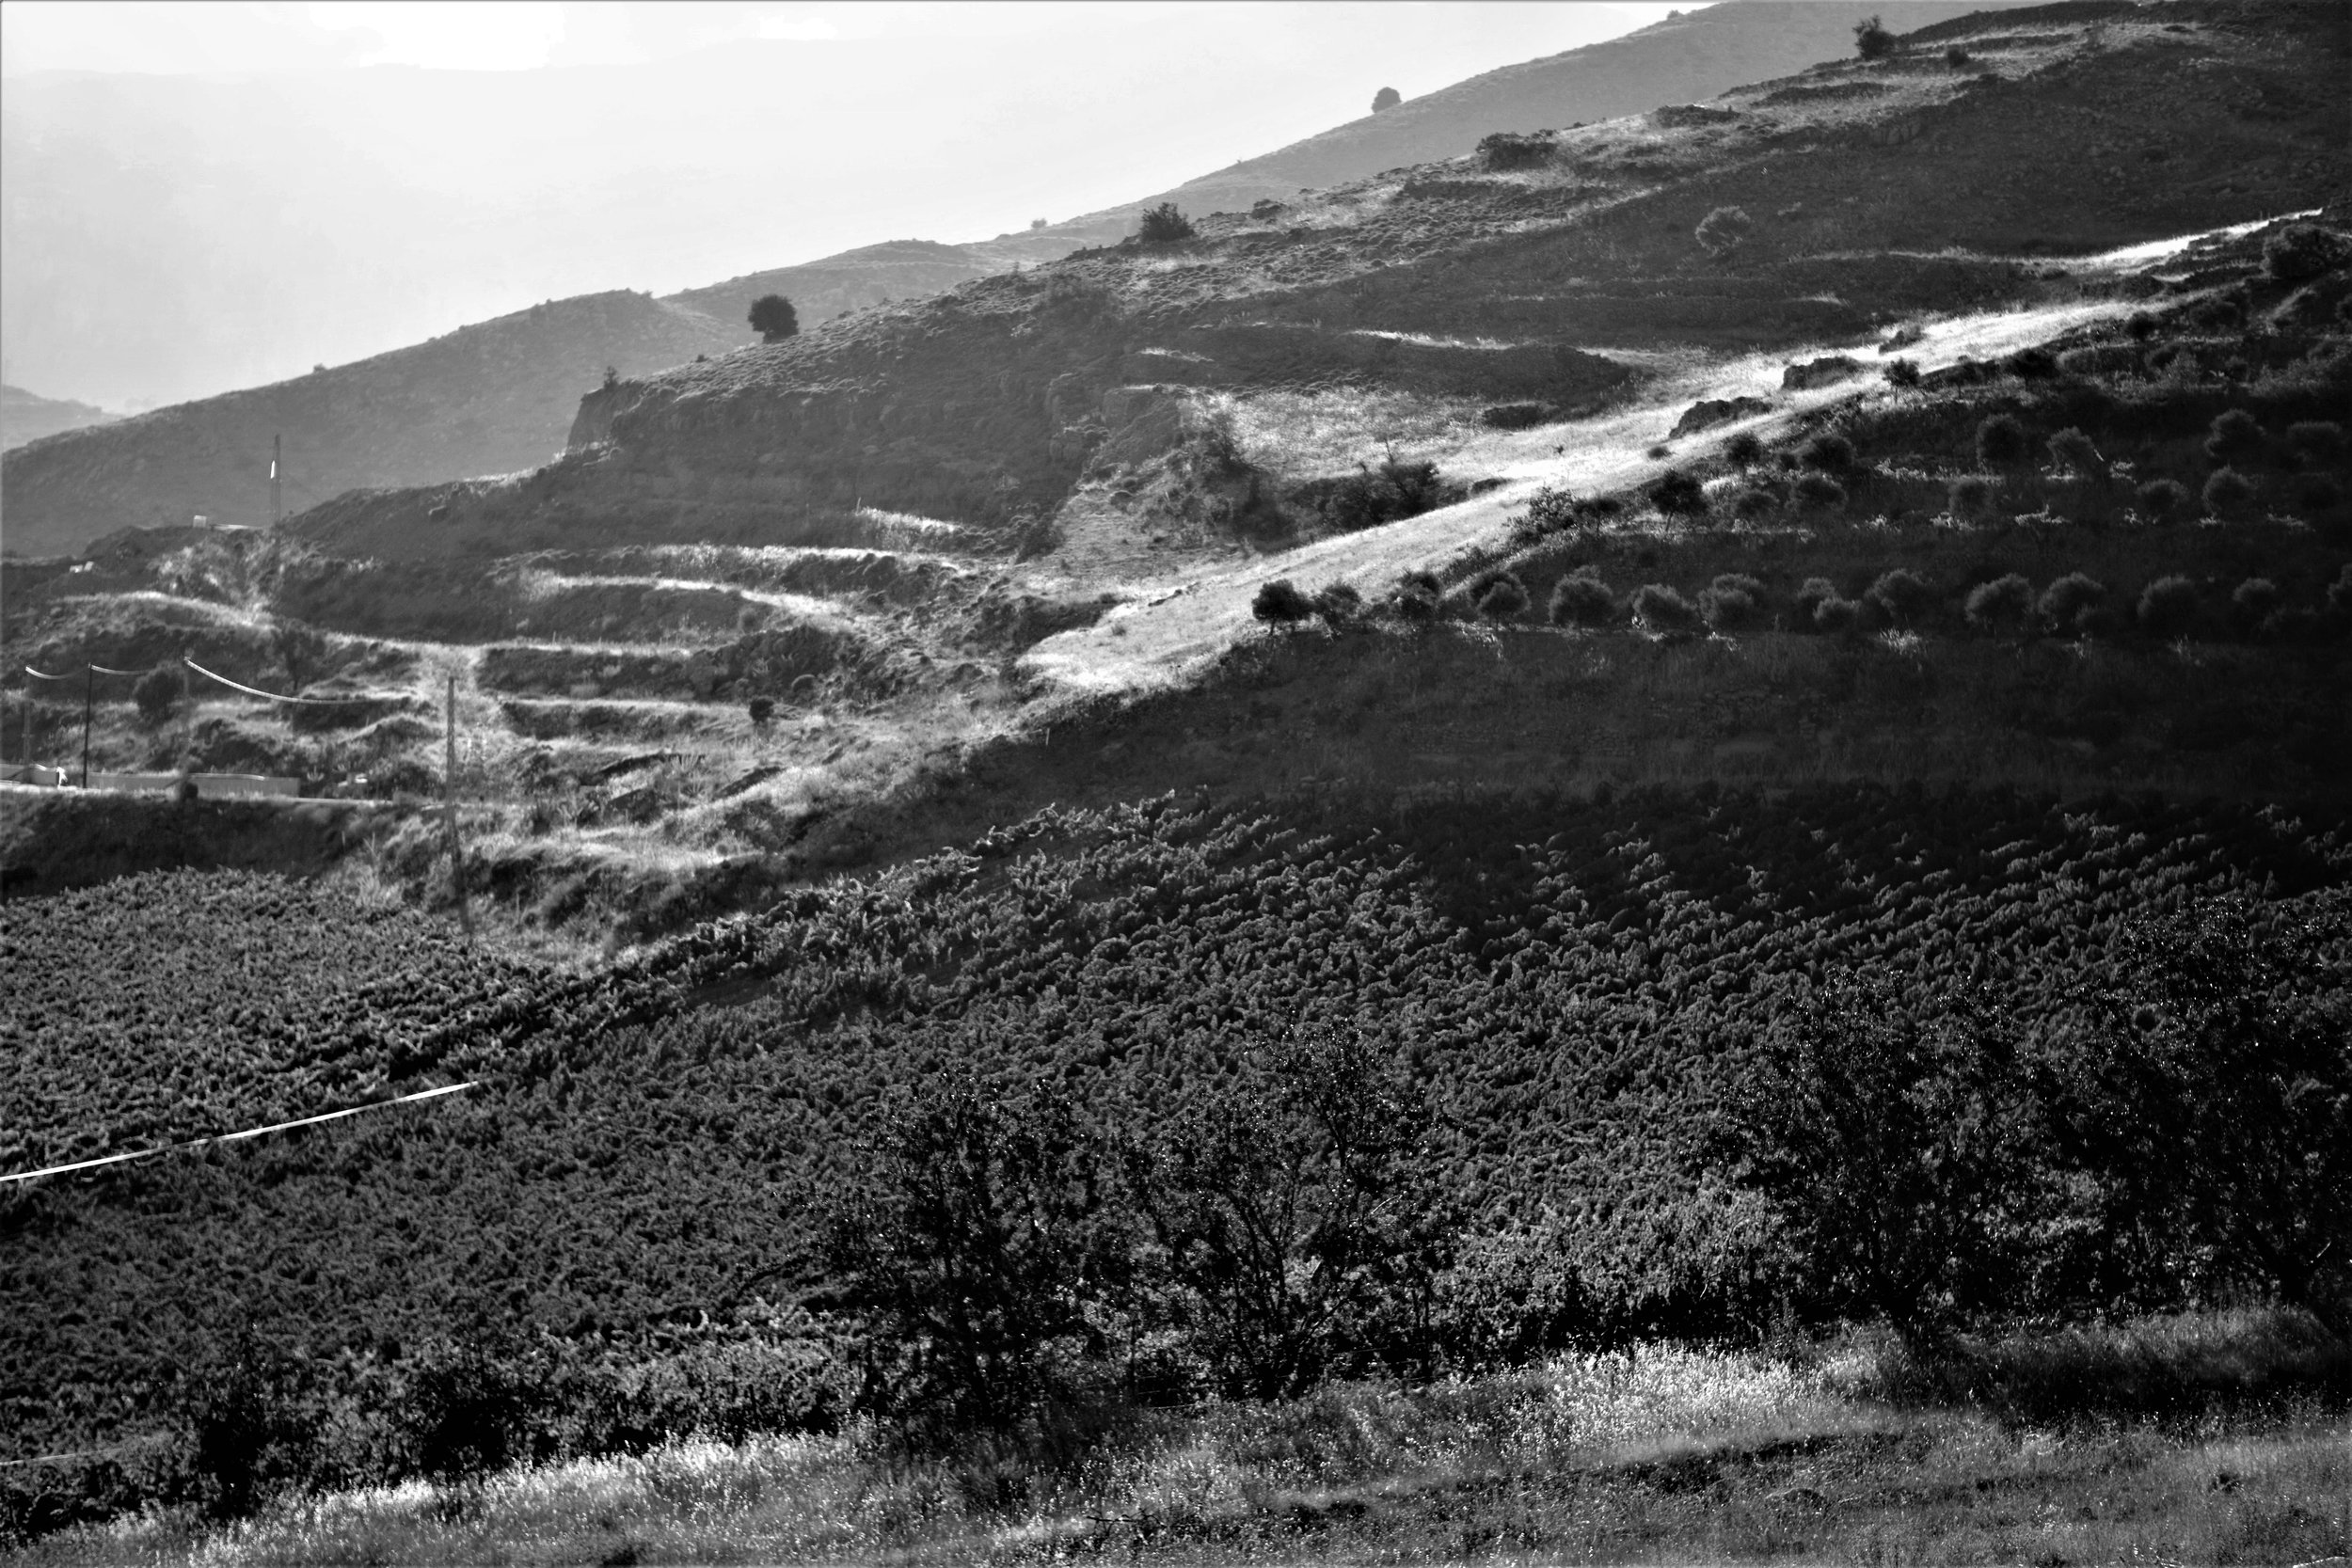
(411, 418)
(481, 400)
(28, 417)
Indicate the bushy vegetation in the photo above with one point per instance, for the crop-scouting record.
(1163, 225)
(1722, 232)
(772, 317)
(1871, 41)
(1399, 488)
(1582, 599)
(1505, 150)
(1281, 603)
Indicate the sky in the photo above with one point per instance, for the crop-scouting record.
(198, 197)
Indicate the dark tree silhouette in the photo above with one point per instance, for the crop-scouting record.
(1387, 98)
(773, 318)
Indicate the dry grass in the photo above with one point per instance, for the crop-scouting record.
(1660, 1454)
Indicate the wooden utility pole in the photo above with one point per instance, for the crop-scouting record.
(89, 679)
(449, 788)
(276, 451)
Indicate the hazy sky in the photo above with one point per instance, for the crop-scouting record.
(200, 197)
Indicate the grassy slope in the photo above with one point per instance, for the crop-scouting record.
(28, 417)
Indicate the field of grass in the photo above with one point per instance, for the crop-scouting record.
(1658, 1454)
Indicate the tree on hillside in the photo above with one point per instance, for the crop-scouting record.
(1163, 225)
(1871, 41)
(1387, 98)
(773, 318)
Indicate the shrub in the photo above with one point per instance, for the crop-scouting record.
(1677, 495)
(2073, 452)
(2320, 441)
(1829, 452)
(2001, 442)
(1509, 149)
(252, 1435)
(1281, 604)
(1732, 602)
(2003, 604)
(1956, 56)
(2161, 498)
(1338, 604)
(1582, 599)
(1900, 596)
(467, 1410)
(2234, 436)
(1661, 608)
(1969, 496)
(1387, 98)
(1515, 416)
(1369, 497)
(2140, 326)
(1903, 372)
(1417, 596)
(1163, 225)
(157, 692)
(2067, 605)
(1746, 449)
(1815, 593)
(1835, 616)
(2217, 314)
(2228, 491)
(2167, 608)
(2254, 602)
(1549, 510)
(1818, 492)
(1724, 230)
(773, 318)
(1871, 41)
(2301, 251)
(1755, 504)
(2032, 364)
(1501, 597)
(761, 709)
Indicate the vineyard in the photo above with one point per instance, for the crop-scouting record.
(1578, 985)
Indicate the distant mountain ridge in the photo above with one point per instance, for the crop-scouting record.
(28, 416)
(500, 395)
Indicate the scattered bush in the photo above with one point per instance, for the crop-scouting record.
(1732, 602)
(2167, 608)
(2252, 603)
(1903, 372)
(1163, 225)
(1501, 597)
(1724, 230)
(1387, 98)
(1549, 510)
(2067, 606)
(2235, 437)
(2318, 492)
(1744, 450)
(2318, 440)
(1956, 56)
(1515, 416)
(2001, 442)
(774, 319)
(1582, 599)
(1417, 596)
(2074, 452)
(2003, 604)
(1829, 452)
(156, 694)
(2140, 326)
(1818, 492)
(1369, 497)
(253, 1433)
(2228, 492)
(1815, 593)
(2035, 363)
(1836, 616)
(2161, 498)
(2217, 314)
(1338, 604)
(1755, 504)
(2302, 251)
(1871, 41)
(1662, 610)
(1505, 150)
(1900, 596)
(1969, 496)
(1677, 495)
(761, 709)
(1281, 604)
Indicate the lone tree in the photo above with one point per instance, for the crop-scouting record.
(1871, 41)
(1724, 230)
(773, 318)
(1163, 225)
(1387, 98)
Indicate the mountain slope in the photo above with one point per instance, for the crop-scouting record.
(434, 417)
(28, 416)
(485, 399)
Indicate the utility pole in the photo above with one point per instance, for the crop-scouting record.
(449, 788)
(276, 451)
(89, 677)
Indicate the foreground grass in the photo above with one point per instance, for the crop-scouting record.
(1660, 1455)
